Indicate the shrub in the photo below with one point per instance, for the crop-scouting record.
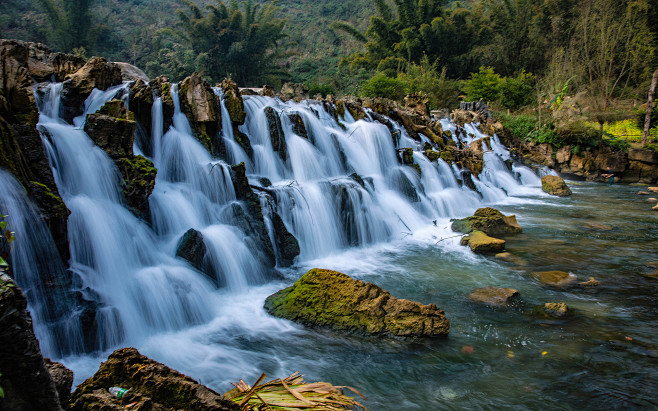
(380, 85)
(323, 89)
(484, 85)
(517, 92)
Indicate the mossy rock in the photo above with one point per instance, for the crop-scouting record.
(448, 154)
(432, 155)
(331, 299)
(407, 155)
(481, 243)
(417, 168)
(555, 185)
(494, 296)
(488, 220)
(555, 278)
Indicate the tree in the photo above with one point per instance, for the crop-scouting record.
(238, 40)
(71, 23)
(647, 118)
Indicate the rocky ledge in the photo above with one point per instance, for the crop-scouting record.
(488, 220)
(331, 299)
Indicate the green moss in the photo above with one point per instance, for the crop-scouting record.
(407, 156)
(448, 155)
(417, 168)
(488, 220)
(432, 155)
(48, 198)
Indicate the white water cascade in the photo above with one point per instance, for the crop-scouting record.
(339, 187)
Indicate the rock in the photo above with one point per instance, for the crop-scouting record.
(555, 185)
(233, 101)
(287, 245)
(494, 296)
(644, 193)
(97, 73)
(643, 155)
(267, 91)
(597, 226)
(653, 189)
(555, 278)
(131, 73)
(277, 137)
(26, 382)
(153, 385)
(655, 208)
(488, 220)
(417, 104)
(652, 264)
(295, 91)
(481, 243)
(555, 310)
(332, 299)
(432, 155)
(510, 258)
(651, 199)
(653, 274)
(592, 282)
(407, 156)
(298, 126)
(112, 128)
(201, 107)
(63, 379)
(563, 154)
(191, 248)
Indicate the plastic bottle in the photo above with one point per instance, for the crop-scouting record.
(117, 391)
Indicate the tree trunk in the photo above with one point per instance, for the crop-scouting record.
(647, 118)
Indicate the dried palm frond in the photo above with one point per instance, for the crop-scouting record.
(292, 393)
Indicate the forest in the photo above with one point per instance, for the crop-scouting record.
(595, 56)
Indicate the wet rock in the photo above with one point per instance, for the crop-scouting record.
(417, 104)
(267, 91)
(644, 193)
(555, 185)
(131, 73)
(655, 208)
(191, 248)
(432, 155)
(63, 379)
(555, 310)
(298, 126)
(286, 244)
(331, 299)
(651, 199)
(597, 226)
(277, 137)
(653, 274)
(653, 189)
(96, 73)
(592, 282)
(26, 382)
(201, 107)
(43, 64)
(510, 258)
(233, 101)
(407, 156)
(494, 296)
(295, 91)
(152, 385)
(472, 157)
(555, 278)
(481, 243)
(142, 97)
(488, 220)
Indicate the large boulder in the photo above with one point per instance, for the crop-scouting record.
(97, 73)
(331, 299)
(112, 128)
(233, 101)
(26, 382)
(131, 73)
(481, 243)
(21, 147)
(151, 386)
(201, 107)
(488, 220)
(63, 379)
(141, 99)
(494, 296)
(555, 185)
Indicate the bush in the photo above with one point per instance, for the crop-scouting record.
(528, 128)
(425, 78)
(323, 89)
(517, 92)
(380, 85)
(483, 85)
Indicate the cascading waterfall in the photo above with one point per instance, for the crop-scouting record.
(341, 185)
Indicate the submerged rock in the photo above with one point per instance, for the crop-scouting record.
(555, 278)
(510, 258)
(332, 299)
(555, 185)
(488, 220)
(191, 248)
(554, 310)
(592, 282)
(287, 245)
(494, 296)
(24, 378)
(151, 386)
(481, 243)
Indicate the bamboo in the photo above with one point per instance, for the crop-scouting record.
(647, 118)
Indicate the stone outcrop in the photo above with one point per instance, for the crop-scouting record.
(21, 147)
(201, 107)
(44, 65)
(481, 243)
(494, 296)
(298, 126)
(141, 99)
(287, 246)
(294, 91)
(235, 107)
(151, 386)
(555, 278)
(331, 299)
(192, 248)
(26, 382)
(63, 379)
(555, 185)
(96, 73)
(277, 137)
(488, 220)
(131, 73)
(112, 128)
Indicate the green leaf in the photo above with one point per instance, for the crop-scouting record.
(3, 263)
(2, 393)
(3, 224)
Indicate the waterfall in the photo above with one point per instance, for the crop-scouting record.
(336, 183)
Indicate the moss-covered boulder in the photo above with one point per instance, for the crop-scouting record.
(481, 243)
(555, 278)
(555, 310)
(407, 155)
(331, 299)
(488, 220)
(555, 185)
(151, 385)
(494, 296)
(138, 174)
(432, 155)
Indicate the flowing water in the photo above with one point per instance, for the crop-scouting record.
(392, 230)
